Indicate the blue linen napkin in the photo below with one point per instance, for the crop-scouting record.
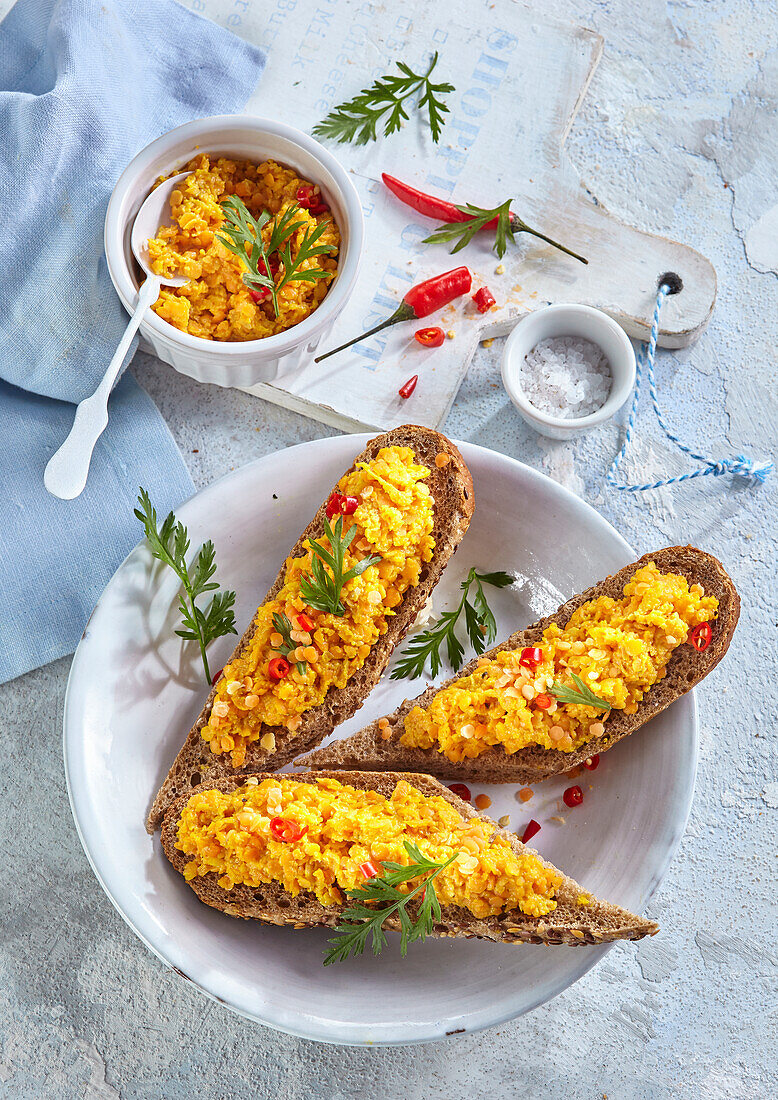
(84, 85)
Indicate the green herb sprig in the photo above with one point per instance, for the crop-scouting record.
(321, 589)
(170, 544)
(479, 623)
(580, 695)
(358, 119)
(289, 645)
(361, 920)
(242, 235)
(508, 225)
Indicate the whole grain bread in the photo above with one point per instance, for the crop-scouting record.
(368, 751)
(451, 486)
(570, 923)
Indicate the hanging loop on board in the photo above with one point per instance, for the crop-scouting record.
(739, 466)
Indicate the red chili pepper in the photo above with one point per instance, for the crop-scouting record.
(461, 790)
(304, 197)
(305, 623)
(259, 295)
(430, 337)
(408, 387)
(543, 701)
(277, 668)
(592, 762)
(217, 675)
(573, 796)
(700, 637)
(428, 205)
(341, 505)
(442, 210)
(368, 869)
(532, 829)
(286, 830)
(319, 208)
(531, 657)
(419, 302)
(484, 299)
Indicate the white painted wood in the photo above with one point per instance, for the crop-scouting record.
(520, 79)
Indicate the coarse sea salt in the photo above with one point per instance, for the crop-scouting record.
(566, 376)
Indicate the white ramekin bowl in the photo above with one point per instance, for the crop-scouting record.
(234, 362)
(583, 322)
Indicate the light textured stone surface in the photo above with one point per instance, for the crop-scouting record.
(677, 135)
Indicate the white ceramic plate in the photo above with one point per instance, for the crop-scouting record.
(135, 689)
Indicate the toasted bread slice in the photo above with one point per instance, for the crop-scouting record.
(570, 923)
(368, 751)
(451, 487)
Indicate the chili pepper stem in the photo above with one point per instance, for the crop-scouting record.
(404, 312)
(518, 226)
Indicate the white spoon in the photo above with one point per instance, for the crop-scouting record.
(67, 469)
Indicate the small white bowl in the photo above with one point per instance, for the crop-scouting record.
(585, 323)
(235, 362)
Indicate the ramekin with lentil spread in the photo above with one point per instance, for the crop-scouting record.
(214, 330)
(216, 304)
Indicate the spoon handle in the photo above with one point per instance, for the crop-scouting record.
(67, 469)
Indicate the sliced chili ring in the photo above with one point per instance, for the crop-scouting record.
(701, 636)
(543, 701)
(334, 504)
(484, 299)
(531, 657)
(286, 830)
(305, 622)
(461, 790)
(278, 667)
(573, 796)
(368, 869)
(430, 337)
(592, 762)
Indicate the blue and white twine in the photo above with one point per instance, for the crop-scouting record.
(739, 466)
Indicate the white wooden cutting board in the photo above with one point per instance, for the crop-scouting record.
(520, 78)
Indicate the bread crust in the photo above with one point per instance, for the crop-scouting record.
(368, 751)
(570, 924)
(452, 491)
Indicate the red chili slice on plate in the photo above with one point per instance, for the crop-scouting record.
(532, 829)
(573, 796)
(461, 790)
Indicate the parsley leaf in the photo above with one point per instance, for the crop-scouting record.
(507, 226)
(480, 625)
(362, 920)
(580, 695)
(169, 544)
(359, 118)
(322, 590)
(243, 237)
